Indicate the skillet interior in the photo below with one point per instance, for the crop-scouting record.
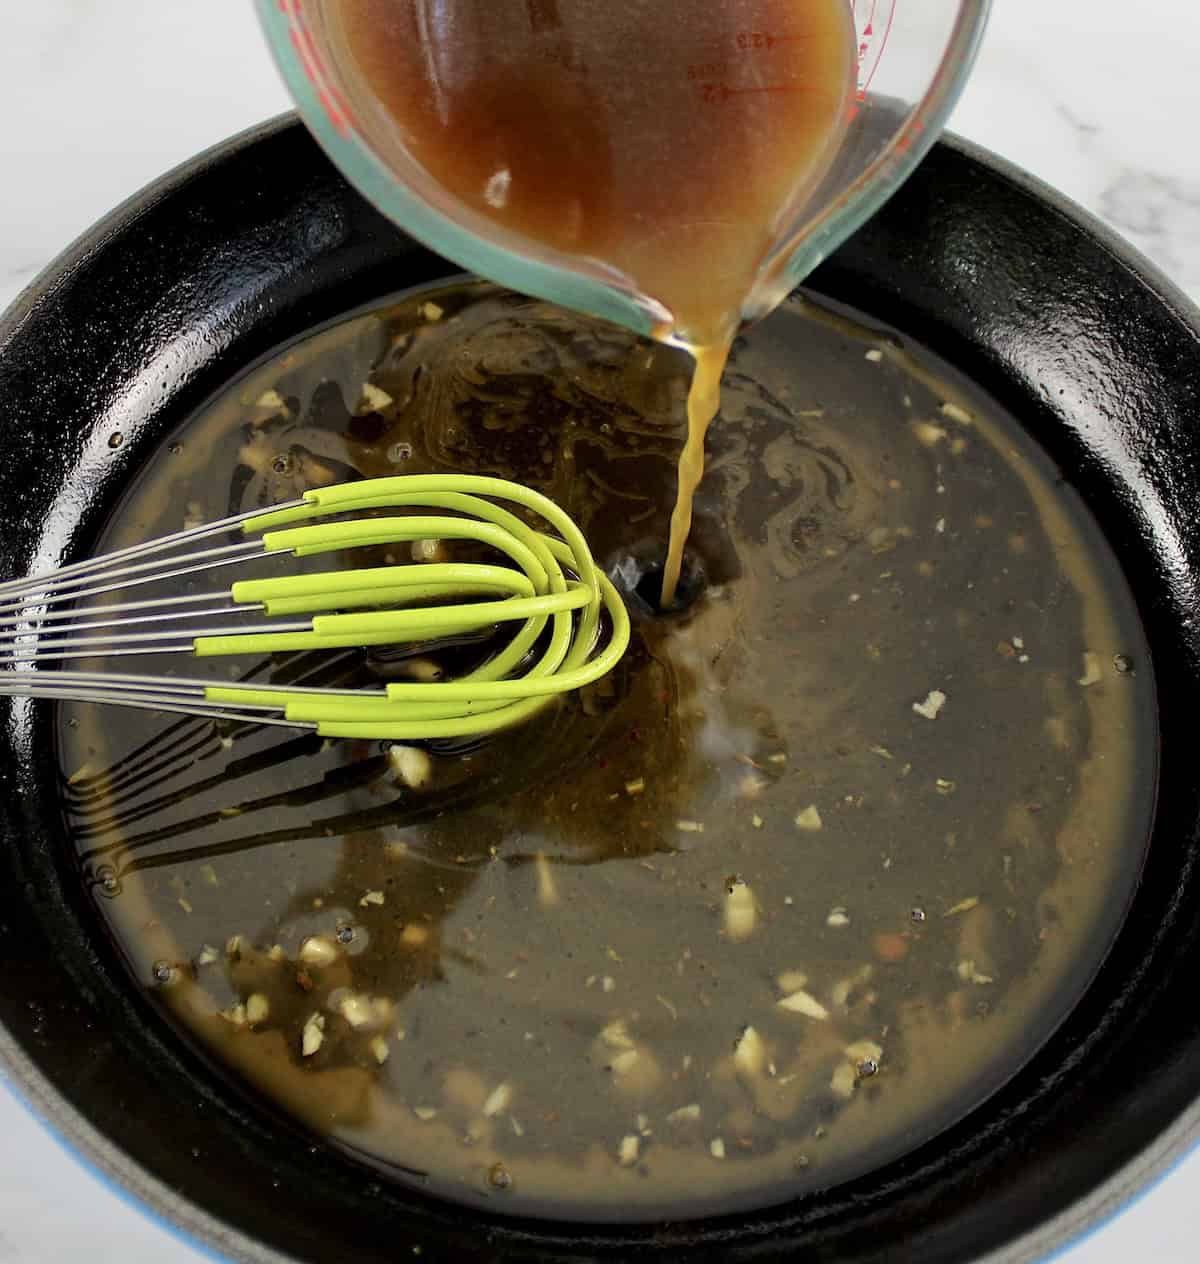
(259, 241)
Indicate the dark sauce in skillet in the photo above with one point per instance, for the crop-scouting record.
(814, 871)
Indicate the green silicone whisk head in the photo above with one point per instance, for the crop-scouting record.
(557, 620)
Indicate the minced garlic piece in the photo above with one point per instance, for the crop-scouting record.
(379, 1049)
(956, 413)
(422, 669)
(1091, 669)
(318, 950)
(684, 1114)
(969, 974)
(927, 433)
(801, 1002)
(357, 1010)
(741, 912)
(313, 1036)
(864, 1051)
(411, 765)
(616, 1035)
(498, 1100)
(373, 398)
(749, 1054)
(935, 700)
(428, 550)
(809, 819)
(841, 990)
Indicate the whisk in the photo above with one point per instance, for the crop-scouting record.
(549, 581)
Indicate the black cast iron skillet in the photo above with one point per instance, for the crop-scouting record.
(259, 240)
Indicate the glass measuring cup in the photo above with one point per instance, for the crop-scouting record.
(913, 59)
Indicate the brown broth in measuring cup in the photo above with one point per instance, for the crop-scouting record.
(664, 141)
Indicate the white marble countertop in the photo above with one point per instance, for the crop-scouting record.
(99, 98)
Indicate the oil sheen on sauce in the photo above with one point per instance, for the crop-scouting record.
(663, 142)
(812, 873)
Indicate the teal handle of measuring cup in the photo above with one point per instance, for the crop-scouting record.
(905, 127)
(315, 93)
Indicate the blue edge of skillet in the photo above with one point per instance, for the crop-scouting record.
(258, 241)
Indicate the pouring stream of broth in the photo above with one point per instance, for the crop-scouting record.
(664, 142)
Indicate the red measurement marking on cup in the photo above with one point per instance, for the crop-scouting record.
(869, 26)
(332, 101)
(870, 51)
(868, 32)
